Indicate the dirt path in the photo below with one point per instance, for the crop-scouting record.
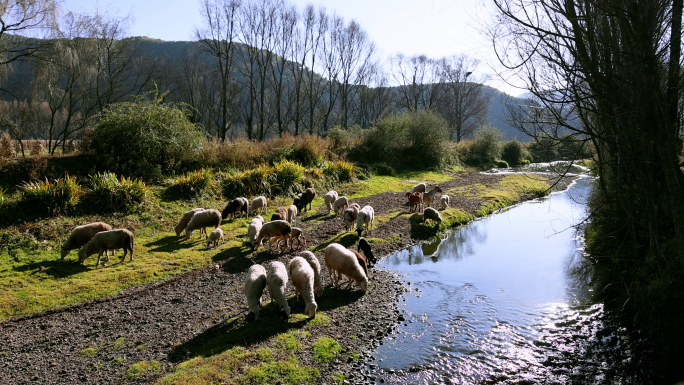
(172, 321)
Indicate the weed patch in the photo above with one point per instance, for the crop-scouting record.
(142, 368)
(325, 349)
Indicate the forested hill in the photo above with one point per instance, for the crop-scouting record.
(148, 63)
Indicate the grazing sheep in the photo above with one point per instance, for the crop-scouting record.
(234, 207)
(214, 237)
(255, 282)
(253, 229)
(415, 200)
(420, 187)
(362, 261)
(280, 214)
(350, 216)
(366, 216)
(273, 229)
(431, 214)
(276, 280)
(444, 201)
(296, 233)
(305, 199)
(203, 219)
(259, 203)
(291, 213)
(302, 276)
(107, 240)
(80, 235)
(185, 219)
(340, 204)
(316, 266)
(330, 198)
(352, 205)
(366, 248)
(342, 261)
(428, 198)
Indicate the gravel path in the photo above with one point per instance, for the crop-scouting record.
(96, 342)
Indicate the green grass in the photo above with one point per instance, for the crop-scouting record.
(242, 366)
(89, 352)
(142, 368)
(399, 183)
(325, 349)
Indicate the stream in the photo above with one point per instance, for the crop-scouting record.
(506, 299)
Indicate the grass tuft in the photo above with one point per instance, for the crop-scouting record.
(325, 349)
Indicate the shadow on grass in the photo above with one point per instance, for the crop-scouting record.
(57, 268)
(170, 244)
(238, 332)
(345, 239)
(240, 258)
(316, 216)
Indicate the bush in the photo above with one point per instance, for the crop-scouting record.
(284, 176)
(486, 148)
(247, 183)
(145, 138)
(107, 193)
(412, 139)
(515, 153)
(339, 171)
(192, 184)
(566, 147)
(52, 198)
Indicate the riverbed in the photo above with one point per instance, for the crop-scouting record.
(506, 299)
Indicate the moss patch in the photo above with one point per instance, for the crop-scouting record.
(143, 368)
(325, 349)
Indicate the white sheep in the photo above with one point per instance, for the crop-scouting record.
(80, 235)
(185, 219)
(291, 214)
(276, 280)
(203, 219)
(302, 276)
(341, 261)
(330, 199)
(444, 201)
(420, 187)
(253, 229)
(259, 203)
(316, 266)
(365, 217)
(431, 214)
(429, 197)
(214, 237)
(350, 215)
(272, 229)
(108, 240)
(255, 282)
(340, 204)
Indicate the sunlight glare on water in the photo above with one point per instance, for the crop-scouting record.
(495, 302)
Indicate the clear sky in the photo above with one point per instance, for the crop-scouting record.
(436, 28)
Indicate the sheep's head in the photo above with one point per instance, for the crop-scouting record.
(64, 252)
(82, 255)
(311, 309)
(359, 230)
(284, 314)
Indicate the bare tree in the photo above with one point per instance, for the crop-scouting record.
(461, 102)
(609, 71)
(375, 99)
(218, 41)
(36, 18)
(417, 77)
(281, 76)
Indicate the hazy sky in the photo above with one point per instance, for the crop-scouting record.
(436, 28)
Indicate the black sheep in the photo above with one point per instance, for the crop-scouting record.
(365, 247)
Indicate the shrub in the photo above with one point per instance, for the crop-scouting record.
(6, 147)
(514, 153)
(486, 148)
(53, 198)
(339, 171)
(192, 184)
(285, 175)
(411, 139)
(145, 138)
(107, 193)
(246, 183)
(4, 200)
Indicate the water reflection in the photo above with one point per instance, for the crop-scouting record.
(505, 300)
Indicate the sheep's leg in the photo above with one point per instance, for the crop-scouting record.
(98, 258)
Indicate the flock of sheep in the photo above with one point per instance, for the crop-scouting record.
(304, 270)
